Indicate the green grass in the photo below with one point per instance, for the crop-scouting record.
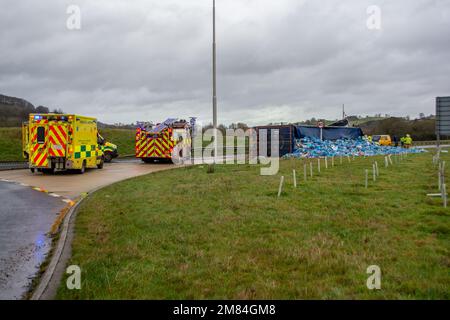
(11, 144)
(123, 138)
(185, 234)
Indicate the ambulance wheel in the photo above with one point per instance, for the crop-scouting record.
(100, 165)
(32, 170)
(83, 168)
(48, 171)
(108, 157)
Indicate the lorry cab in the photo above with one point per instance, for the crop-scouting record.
(382, 140)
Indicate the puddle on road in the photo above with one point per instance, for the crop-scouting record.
(18, 270)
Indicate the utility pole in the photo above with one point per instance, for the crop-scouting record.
(214, 81)
(343, 112)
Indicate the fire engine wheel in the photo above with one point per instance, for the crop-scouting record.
(148, 160)
(108, 157)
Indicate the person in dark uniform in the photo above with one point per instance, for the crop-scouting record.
(395, 140)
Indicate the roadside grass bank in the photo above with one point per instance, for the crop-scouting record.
(186, 234)
(11, 144)
(123, 138)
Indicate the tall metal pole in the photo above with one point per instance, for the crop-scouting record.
(214, 80)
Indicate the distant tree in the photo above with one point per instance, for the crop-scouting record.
(42, 109)
(238, 125)
(58, 111)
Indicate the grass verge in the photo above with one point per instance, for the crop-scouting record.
(185, 234)
(11, 144)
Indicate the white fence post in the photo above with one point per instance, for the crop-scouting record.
(280, 188)
(295, 178)
(367, 179)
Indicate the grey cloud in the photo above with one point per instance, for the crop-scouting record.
(282, 60)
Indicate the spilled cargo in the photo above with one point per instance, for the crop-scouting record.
(314, 148)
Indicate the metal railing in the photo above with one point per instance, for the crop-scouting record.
(13, 165)
(429, 143)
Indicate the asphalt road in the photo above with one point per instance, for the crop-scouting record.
(72, 185)
(26, 215)
(25, 219)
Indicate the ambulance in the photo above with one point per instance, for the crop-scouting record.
(58, 142)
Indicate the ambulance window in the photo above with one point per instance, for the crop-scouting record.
(40, 135)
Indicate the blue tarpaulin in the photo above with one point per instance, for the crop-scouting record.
(328, 133)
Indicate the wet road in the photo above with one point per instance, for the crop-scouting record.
(71, 185)
(25, 219)
(26, 215)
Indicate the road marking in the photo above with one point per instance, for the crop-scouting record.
(69, 201)
(54, 195)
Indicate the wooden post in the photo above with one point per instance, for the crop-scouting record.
(305, 172)
(444, 194)
(326, 162)
(367, 179)
(295, 178)
(348, 158)
(378, 169)
(318, 165)
(390, 160)
(280, 188)
(374, 171)
(386, 162)
(311, 168)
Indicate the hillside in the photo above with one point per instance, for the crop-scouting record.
(123, 138)
(14, 111)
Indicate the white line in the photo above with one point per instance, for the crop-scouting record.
(54, 195)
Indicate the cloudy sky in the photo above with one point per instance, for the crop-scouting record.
(283, 60)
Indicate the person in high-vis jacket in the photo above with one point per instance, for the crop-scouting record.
(402, 141)
(408, 141)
